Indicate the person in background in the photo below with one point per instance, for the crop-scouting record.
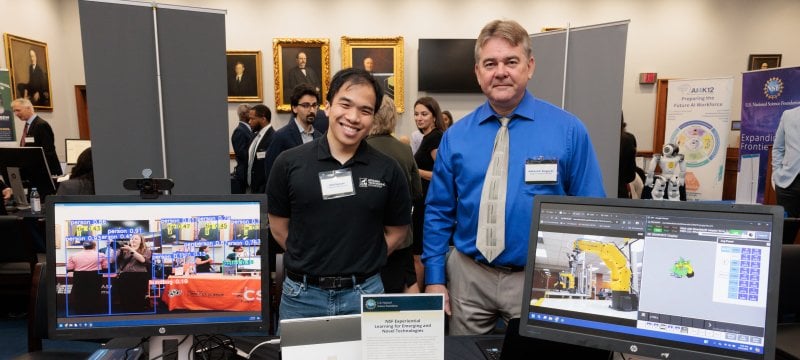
(627, 161)
(399, 274)
(38, 129)
(238, 253)
(483, 278)
(240, 140)
(81, 178)
(202, 262)
(337, 237)
(447, 119)
(260, 120)
(786, 162)
(134, 262)
(7, 193)
(300, 130)
(87, 259)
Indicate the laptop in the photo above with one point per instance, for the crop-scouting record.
(321, 338)
(516, 347)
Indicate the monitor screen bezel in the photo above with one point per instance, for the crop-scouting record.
(659, 348)
(261, 326)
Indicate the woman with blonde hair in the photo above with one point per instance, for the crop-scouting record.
(398, 275)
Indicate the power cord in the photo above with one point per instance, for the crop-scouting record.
(213, 347)
(268, 342)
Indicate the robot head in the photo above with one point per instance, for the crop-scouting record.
(670, 150)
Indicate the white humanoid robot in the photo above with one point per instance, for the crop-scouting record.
(666, 186)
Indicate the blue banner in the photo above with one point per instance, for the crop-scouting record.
(766, 94)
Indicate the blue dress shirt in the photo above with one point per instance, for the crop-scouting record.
(537, 131)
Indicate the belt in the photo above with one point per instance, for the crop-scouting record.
(328, 282)
(503, 268)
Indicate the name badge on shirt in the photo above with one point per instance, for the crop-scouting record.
(336, 184)
(29, 139)
(541, 171)
(261, 154)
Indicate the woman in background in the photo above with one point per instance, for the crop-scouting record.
(399, 274)
(133, 273)
(447, 119)
(81, 179)
(202, 262)
(428, 116)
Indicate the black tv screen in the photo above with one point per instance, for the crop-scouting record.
(447, 66)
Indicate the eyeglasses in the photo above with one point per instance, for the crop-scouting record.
(308, 106)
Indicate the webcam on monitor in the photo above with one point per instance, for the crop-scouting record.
(149, 187)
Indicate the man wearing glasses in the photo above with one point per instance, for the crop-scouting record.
(299, 130)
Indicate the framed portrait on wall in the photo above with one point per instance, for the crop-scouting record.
(763, 61)
(300, 61)
(383, 57)
(244, 76)
(30, 71)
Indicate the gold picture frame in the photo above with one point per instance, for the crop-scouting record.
(245, 86)
(29, 66)
(386, 55)
(316, 63)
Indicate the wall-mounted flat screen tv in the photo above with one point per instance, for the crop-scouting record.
(447, 66)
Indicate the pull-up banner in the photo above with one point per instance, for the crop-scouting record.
(698, 119)
(766, 94)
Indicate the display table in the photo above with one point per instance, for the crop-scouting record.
(212, 292)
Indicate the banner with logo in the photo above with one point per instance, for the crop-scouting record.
(698, 121)
(766, 94)
(6, 116)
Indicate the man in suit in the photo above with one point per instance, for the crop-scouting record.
(242, 83)
(36, 90)
(302, 74)
(38, 129)
(299, 130)
(240, 139)
(786, 163)
(260, 117)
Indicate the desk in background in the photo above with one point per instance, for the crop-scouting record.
(212, 292)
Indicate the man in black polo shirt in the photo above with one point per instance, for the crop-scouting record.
(337, 206)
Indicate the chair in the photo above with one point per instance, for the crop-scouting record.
(37, 321)
(17, 260)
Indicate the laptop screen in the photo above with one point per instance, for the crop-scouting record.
(654, 278)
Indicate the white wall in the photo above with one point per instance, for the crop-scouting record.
(675, 38)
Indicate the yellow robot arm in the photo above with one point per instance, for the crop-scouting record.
(614, 259)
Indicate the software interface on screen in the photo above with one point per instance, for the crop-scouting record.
(176, 276)
(698, 278)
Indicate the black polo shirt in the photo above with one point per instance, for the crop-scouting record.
(340, 236)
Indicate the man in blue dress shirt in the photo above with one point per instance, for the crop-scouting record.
(540, 137)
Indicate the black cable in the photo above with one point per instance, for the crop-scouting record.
(214, 346)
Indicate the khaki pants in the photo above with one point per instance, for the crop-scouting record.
(480, 294)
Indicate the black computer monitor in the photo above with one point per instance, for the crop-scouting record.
(31, 165)
(660, 279)
(166, 295)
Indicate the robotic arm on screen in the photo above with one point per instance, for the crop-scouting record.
(622, 298)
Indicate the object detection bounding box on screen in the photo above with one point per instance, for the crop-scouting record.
(654, 278)
(98, 288)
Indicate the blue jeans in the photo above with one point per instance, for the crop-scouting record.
(299, 300)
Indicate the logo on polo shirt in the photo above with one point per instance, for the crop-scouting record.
(368, 183)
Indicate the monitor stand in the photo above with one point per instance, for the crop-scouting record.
(178, 346)
(15, 181)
